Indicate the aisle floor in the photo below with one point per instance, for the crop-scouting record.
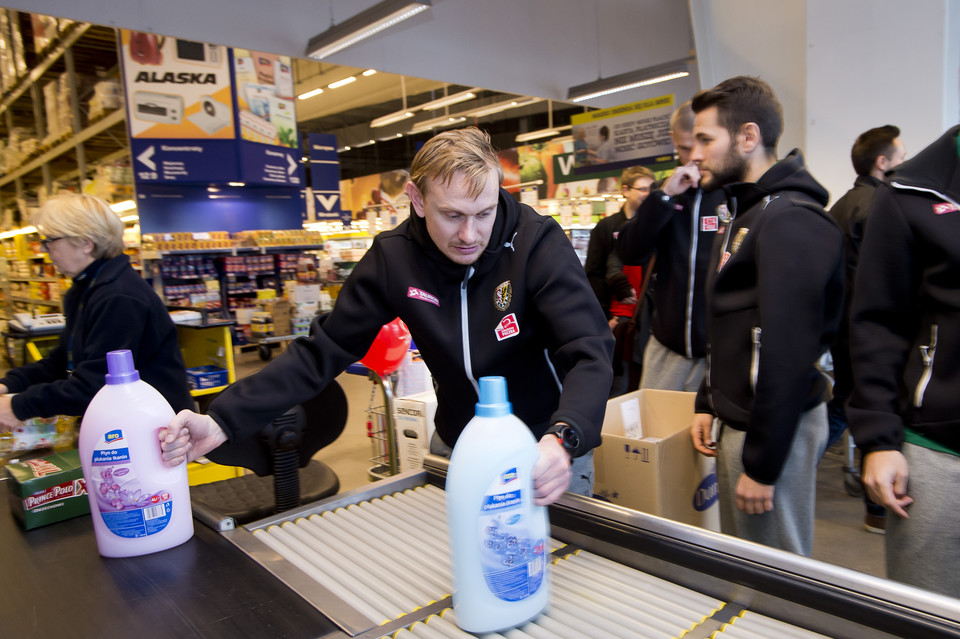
(839, 538)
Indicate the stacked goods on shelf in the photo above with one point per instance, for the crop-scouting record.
(197, 282)
(292, 237)
(187, 241)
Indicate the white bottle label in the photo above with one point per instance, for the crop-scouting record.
(127, 509)
(512, 557)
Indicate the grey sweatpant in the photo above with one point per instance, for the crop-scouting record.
(924, 550)
(789, 525)
(664, 369)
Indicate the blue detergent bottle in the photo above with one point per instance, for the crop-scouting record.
(498, 538)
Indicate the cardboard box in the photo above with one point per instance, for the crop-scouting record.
(46, 490)
(657, 471)
(281, 312)
(413, 420)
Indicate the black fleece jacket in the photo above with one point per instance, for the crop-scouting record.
(680, 232)
(109, 307)
(773, 309)
(905, 324)
(524, 310)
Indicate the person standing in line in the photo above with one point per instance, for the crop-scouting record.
(774, 304)
(677, 224)
(904, 411)
(874, 153)
(616, 285)
(487, 286)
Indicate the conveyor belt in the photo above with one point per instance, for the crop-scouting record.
(376, 562)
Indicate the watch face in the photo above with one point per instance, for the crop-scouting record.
(571, 438)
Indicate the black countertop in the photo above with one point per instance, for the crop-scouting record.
(55, 585)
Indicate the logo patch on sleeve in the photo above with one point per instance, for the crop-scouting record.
(423, 296)
(508, 327)
(945, 207)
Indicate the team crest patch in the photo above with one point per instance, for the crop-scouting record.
(423, 296)
(724, 214)
(508, 327)
(503, 296)
(709, 223)
(945, 207)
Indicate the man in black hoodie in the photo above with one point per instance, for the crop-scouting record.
(487, 286)
(905, 409)
(774, 301)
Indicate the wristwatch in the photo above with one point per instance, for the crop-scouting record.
(569, 438)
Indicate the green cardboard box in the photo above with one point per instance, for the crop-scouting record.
(46, 490)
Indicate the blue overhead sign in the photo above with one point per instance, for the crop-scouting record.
(325, 176)
(269, 164)
(169, 161)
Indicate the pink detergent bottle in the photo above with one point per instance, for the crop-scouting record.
(138, 504)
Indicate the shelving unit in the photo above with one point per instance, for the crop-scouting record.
(39, 158)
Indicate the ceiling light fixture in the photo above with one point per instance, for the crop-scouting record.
(541, 133)
(498, 107)
(456, 98)
(309, 94)
(363, 25)
(125, 205)
(435, 123)
(390, 118)
(368, 73)
(632, 80)
(344, 82)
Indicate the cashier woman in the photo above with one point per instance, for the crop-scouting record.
(487, 286)
(108, 307)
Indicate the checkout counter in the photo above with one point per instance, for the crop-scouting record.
(250, 581)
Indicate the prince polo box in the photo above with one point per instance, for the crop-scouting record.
(47, 490)
(414, 416)
(657, 470)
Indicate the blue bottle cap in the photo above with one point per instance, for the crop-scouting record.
(493, 398)
(120, 368)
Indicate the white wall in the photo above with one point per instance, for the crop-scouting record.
(839, 67)
(534, 47)
(870, 63)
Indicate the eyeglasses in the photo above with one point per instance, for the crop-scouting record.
(46, 242)
(642, 189)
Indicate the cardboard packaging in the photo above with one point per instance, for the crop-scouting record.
(414, 415)
(46, 490)
(281, 312)
(647, 461)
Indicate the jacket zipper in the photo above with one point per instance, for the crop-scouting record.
(907, 187)
(691, 282)
(927, 352)
(465, 330)
(755, 359)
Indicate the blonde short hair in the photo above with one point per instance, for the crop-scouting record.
(467, 151)
(82, 217)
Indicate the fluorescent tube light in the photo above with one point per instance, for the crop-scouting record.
(456, 98)
(363, 25)
(368, 73)
(390, 118)
(632, 80)
(309, 94)
(344, 82)
(498, 107)
(433, 123)
(541, 133)
(120, 207)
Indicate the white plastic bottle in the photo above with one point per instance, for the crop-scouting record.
(138, 504)
(498, 538)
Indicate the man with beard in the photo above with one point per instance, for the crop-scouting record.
(774, 302)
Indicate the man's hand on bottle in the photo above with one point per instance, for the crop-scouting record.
(189, 436)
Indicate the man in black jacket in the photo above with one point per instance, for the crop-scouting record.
(677, 225)
(873, 154)
(905, 409)
(773, 307)
(487, 286)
